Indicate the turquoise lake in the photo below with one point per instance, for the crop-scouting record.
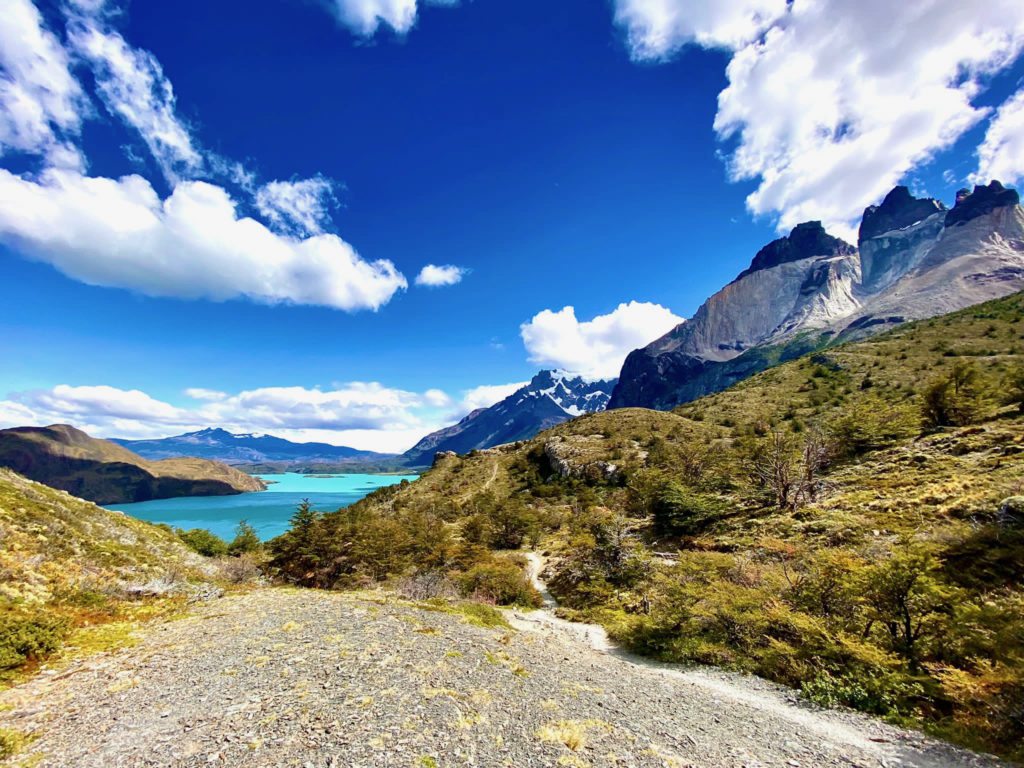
(267, 511)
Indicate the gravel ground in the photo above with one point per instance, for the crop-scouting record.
(283, 677)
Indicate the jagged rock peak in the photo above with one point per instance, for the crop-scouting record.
(899, 209)
(806, 240)
(982, 201)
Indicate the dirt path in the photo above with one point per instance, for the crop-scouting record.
(302, 678)
(840, 730)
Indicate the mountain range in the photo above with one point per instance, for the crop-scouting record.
(221, 445)
(550, 398)
(914, 259)
(103, 472)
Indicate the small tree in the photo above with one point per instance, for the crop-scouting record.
(956, 400)
(1015, 388)
(246, 539)
(906, 597)
(772, 465)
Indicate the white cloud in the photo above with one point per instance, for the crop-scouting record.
(132, 84)
(364, 415)
(487, 395)
(834, 102)
(120, 233)
(594, 348)
(364, 17)
(97, 404)
(191, 245)
(300, 207)
(211, 395)
(656, 29)
(41, 103)
(434, 276)
(1001, 154)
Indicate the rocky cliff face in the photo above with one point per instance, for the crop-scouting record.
(914, 259)
(100, 471)
(549, 399)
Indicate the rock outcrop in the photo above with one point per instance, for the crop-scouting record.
(103, 472)
(914, 259)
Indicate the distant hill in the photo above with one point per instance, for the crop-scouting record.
(550, 398)
(221, 445)
(106, 473)
(914, 259)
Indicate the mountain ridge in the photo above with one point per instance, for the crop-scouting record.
(914, 259)
(246, 448)
(550, 398)
(101, 471)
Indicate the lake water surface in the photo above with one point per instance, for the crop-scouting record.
(267, 511)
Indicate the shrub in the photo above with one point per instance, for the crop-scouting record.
(28, 638)
(202, 541)
(425, 585)
(502, 582)
(681, 510)
(956, 400)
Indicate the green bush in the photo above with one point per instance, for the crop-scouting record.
(202, 541)
(681, 510)
(502, 582)
(869, 690)
(30, 638)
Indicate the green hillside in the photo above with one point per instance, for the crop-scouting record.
(850, 523)
(73, 573)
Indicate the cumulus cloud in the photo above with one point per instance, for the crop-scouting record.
(41, 103)
(594, 348)
(487, 395)
(301, 207)
(364, 17)
(193, 244)
(656, 29)
(434, 276)
(132, 85)
(1001, 154)
(365, 415)
(830, 103)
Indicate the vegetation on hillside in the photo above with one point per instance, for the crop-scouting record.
(73, 573)
(850, 523)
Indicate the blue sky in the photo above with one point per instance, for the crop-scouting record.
(625, 159)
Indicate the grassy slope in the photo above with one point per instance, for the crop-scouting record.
(798, 592)
(73, 571)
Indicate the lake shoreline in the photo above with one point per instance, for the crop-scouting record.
(269, 510)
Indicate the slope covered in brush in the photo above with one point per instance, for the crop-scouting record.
(850, 523)
(68, 564)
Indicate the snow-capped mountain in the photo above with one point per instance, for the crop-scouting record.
(550, 398)
(914, 259)
(221, 445)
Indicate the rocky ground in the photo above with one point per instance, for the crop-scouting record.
(281, 677)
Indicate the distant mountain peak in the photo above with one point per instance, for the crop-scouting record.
(551, 397)
(804, 241)
(899, 209)
(246, 448)
(981, 201)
